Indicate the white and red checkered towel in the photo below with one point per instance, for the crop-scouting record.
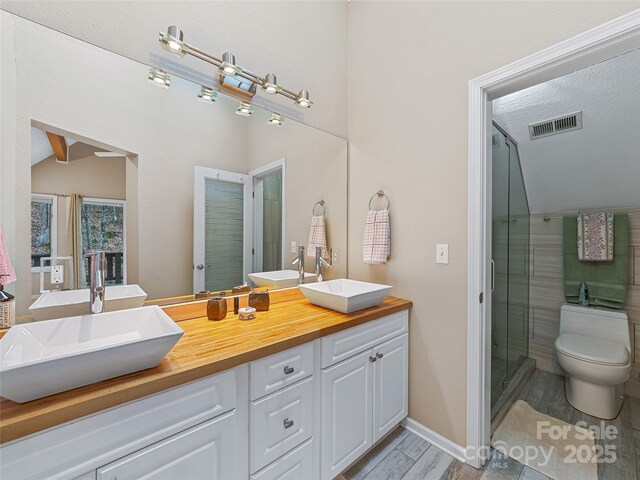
(317, 237)
(376, 247)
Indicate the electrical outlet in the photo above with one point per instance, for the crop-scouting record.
(442, 253)
(294, 247)
(335, 255)
(57, 274)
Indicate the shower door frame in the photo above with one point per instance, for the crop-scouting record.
(596, 45)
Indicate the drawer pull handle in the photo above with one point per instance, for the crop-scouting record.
(372, 359)
(288, 423)
(288, 370)
(379, 355)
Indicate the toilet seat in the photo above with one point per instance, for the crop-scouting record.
(594, 350)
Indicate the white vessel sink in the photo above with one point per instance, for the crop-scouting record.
(344, 295)
(42, 358)
(69, 303)
(280, 279)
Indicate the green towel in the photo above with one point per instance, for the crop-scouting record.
(607, 281)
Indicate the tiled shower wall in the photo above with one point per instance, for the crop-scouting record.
(546, 292)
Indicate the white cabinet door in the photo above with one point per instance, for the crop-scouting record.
(203, 452)
(390, 385)
(346, 413)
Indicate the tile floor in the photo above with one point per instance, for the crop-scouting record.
(403, 455)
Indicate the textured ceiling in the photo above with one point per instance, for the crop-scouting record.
(595, 167)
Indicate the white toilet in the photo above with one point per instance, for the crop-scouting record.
(594, 350)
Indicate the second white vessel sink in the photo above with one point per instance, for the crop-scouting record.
(42, 358)
(344, 295)
(280, 279)
(69, 303)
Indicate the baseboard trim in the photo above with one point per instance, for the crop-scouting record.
(444, 444)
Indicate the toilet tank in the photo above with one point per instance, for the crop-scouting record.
(604, 323)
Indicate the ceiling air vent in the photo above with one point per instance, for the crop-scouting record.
(562, 124)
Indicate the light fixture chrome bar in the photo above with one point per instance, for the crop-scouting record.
(174, 36)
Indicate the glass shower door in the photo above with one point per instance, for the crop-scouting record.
(510, 256)
(500, 259)
(518, 304)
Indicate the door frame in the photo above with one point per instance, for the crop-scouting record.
(256, 175)
(200, 176)
(596, 45)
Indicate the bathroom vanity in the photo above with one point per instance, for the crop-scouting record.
(300, 392)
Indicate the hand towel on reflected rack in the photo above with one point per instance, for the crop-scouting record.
(376, 247)
(7, 273)
(595, 237)
(317, 236)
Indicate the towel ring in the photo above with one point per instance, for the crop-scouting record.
(380, 194)
(321, 205)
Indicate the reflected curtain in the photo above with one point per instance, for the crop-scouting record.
(74, 238)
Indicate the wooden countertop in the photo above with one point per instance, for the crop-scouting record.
(206, 348)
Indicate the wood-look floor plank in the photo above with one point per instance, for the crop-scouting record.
(413, 446)
(529, 473)
(461, 471)
(432, 465)
(375, 456)
(392, 467)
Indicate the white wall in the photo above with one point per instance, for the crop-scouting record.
(303, 43)
(409, 67)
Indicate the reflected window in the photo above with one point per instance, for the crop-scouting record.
(43, 229)
(102, 224)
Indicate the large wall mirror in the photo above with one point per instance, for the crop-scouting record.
(183, 195)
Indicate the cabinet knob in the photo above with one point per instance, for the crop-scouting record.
(288, 423)
(379, 355)
(372, 359)
(288, 370)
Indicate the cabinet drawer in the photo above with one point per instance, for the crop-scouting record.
(281, 369)
(348, 343)
(295, 465)
(205, 451)
(280, 422)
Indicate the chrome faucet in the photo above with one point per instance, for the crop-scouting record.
(98, 276)
(320, 262)
(300, 262)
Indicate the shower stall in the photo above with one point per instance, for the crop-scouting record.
(510, 267)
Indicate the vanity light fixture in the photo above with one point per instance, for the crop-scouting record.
(276, 119)
(245, 109)
(228, 65)
(270, 84)
(303, 99)
(172, 40)
(207, 95)
(159, 78)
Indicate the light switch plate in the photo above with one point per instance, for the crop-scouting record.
(57, 274)
(294, 247)
(442, 253)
